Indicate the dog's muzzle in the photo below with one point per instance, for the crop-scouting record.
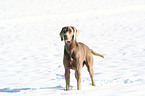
(67, 38)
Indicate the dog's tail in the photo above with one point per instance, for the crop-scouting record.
(97, 54)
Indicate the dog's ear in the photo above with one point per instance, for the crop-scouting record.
(61, 35)
(76, 32)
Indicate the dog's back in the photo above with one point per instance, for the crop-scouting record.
(86, 48)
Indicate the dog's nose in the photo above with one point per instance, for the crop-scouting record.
(65, 36)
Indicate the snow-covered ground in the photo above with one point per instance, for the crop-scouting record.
(31, 51)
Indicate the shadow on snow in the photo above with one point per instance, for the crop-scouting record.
(8, 90)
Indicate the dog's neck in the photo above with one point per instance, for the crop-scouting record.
(71, 45)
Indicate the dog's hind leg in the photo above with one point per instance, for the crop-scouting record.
(91, 72)
(89, 65)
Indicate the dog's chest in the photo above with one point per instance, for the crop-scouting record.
(72, 60)
(72, 64)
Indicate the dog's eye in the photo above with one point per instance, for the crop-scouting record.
(69, 31)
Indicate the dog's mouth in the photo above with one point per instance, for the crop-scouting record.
(67, 41)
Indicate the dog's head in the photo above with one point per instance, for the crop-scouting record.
(68, 33)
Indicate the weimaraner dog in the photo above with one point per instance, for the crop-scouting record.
(76, 55)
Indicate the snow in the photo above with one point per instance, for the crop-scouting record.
(31, 51)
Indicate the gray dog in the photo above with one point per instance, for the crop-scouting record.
(76, 55)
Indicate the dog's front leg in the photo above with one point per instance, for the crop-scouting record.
(67, 78)
(78, 77)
